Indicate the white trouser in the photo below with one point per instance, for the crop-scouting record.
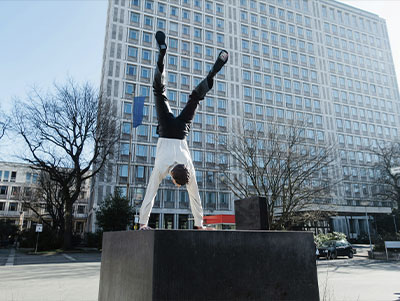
(169, 153)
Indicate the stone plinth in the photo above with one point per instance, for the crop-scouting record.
(251, 214)
(208, 265)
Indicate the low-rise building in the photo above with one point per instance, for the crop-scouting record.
(18, 186)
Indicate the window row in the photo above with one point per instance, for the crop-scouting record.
(371, 89)
(362, 172)
(377, 116)
(351, 46)
(7, 176)
(198, 34)
(356, 157)
(280, 84)
(345, 18)
(356, 60)
(271, 9)
(182, 29)
(365, 128)
(357, 142)
(272, 113)
(361, 190)
(274, 24)
(289, 71)
(277, 11)
(356, 73)
(278, 53)
(290, 102)
(176, 12)
(307, 133)
(162, 8)
(362, 100)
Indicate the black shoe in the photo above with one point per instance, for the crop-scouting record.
(219, 63)
(160, 38)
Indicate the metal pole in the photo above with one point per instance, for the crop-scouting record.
(369, 234)
(37, 240)
(394, 221)
(128, 195)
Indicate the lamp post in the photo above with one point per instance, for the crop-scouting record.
(394, 171)
(367, 220)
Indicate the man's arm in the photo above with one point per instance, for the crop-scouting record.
(194, 197)
(151, 191)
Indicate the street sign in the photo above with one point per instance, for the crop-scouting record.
(39, 228)
(395, 170)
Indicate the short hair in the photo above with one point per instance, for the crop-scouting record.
(180, 174)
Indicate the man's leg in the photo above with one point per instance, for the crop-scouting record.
(201, 90)
(161, 100)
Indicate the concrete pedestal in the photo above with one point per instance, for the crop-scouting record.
(251, 213)
(208, 265)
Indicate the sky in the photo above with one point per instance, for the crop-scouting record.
(47, 41)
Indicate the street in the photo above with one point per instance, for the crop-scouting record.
(75, 277)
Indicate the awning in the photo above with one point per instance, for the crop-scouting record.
(219, 219)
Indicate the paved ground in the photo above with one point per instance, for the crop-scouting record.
(75, 277)
(52, 276)
(359, 278)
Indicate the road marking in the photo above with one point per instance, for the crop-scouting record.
(69, 257)
(10, 259)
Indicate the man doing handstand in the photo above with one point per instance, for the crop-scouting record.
(172, 155)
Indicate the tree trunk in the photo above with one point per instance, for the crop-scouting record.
(68, 226)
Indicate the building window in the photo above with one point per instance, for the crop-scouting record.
(3, 190)
(127, 108)
(133, 34)
(222, 121)
(131, 70)
(13, 207)
(124, 150)
(147, 37)
(148, 21)
(145, 73)
(132, 52)
(135, 17)
(141, 150)
(161, 24)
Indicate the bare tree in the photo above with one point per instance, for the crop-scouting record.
(47, 195)
(388, 182)
(4, 123)
(281, 165)
(68, 133)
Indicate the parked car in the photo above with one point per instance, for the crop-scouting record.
(333, 248)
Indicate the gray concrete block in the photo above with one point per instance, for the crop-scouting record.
(251, 213)
(208, 265)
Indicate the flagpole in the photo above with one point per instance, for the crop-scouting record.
(128, 194)
(137, 117)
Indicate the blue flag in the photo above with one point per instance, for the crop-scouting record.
(138, 105)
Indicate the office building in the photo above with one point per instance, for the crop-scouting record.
(324, 62)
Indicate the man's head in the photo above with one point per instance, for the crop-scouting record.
(180, 174)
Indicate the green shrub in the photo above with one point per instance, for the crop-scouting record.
(381, 238)
(94, 240)
(48, 239)
(320, 238)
